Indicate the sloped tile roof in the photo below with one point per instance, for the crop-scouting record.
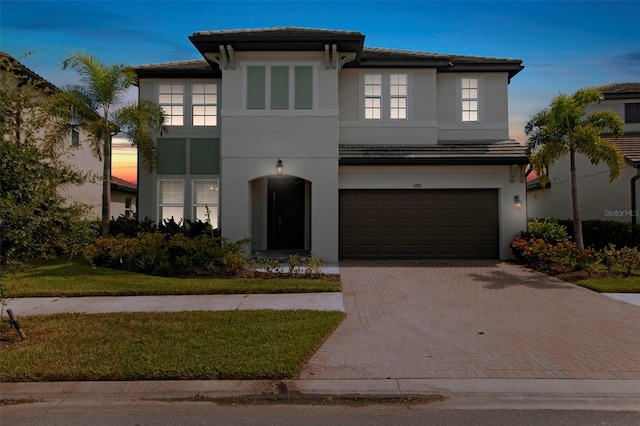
(629, 144)
(123, 185)
(9, 63)
(378, 52)
(620, 90)
(314, 39)
(620, 87)
(444, 152)
(188, 68)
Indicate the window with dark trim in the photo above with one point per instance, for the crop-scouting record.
(632, 112)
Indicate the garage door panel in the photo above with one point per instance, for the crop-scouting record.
(418, 223)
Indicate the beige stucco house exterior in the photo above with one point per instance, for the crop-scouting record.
(76, 151)
(383, 153)
(599, 199)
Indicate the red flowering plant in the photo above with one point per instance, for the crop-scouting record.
(629, 259)
(530, 251)
(565, 256)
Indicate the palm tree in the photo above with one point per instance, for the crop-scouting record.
(564, 128)
(93, 107)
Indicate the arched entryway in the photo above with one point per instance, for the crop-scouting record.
(281, 213)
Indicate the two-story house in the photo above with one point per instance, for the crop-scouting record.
(306, 139)
(599, 199)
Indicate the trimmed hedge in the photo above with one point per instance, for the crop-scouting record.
(600, 233)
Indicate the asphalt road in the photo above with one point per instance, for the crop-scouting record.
(160, 413)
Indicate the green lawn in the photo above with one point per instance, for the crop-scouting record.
(612, 285)
(60, 277)
(164, 346)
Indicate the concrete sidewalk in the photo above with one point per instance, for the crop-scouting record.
(226, 302)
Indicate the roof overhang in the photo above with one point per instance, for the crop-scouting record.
(285, 39)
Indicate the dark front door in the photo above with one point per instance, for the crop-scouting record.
(286, 213)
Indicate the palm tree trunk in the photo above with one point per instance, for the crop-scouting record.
(575, 204)
(106, 185)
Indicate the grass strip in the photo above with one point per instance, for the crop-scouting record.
(61, 277)
(612, 285)
(164, 346)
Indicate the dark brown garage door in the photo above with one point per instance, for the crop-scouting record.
(420, 223)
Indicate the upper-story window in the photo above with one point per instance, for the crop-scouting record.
(632, 112)
(273, 86)
(373, 96)
(470, 99)
(385, 96)
(171, 99)
(398, 96)
(204, 104)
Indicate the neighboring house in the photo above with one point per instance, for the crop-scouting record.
(599, 199)
(76, 153)
(123, 198)
(306, 139)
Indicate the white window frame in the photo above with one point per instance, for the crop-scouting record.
(398, 93)
(470, 99)
(205, 103)
(172, 102)
(215, 187)
(128, 207)
(172, 203)
(373, 84)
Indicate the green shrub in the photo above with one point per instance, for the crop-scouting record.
(140, 254)
(548, 229)
(168, 255)
(625, 258)
(199, 256)
(600, 233)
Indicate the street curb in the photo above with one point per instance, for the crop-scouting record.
(629, 390)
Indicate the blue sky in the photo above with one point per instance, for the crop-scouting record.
(564, 45)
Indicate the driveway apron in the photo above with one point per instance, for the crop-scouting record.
(474, 319)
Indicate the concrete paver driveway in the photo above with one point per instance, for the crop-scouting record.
(474, 319)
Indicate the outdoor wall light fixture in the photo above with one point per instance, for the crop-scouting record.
(517, 202)
(279, 167)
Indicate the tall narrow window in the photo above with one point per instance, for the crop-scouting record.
(256, 87)
(469, 99)
(171, 99)
(171, 200)
(205, 201)
(398, 96)
(280, 87)
(372, 96)
(127, 208)
(204, 100)
(303, 87)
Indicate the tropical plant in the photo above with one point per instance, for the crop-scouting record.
(564, 129)
(35, 219)
(95, 107)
